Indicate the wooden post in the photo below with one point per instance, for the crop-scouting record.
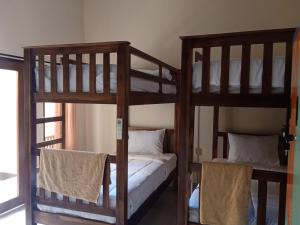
(30, 135)
(215, 132)
(122, 133)
(183, 136)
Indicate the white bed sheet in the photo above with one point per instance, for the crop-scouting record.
(145, 174)
(256, 70)
(272, 198)
(137, 84)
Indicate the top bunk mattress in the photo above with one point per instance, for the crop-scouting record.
(136, 84)
(255, 77)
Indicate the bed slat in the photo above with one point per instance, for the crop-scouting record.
(288, 67)
(66, 79)
(282, 199)
(245, 70)
(42, 193)
(160, 78)
(206, 70)
(41, 74)
(79, 73)
(92, 73)
(262, 202)
(53, 74)
(106, 73)
(225, 69)
(267, 68)
(106, 181)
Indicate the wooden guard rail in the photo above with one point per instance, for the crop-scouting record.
(263, 177)
(91, 50)
(244, 39)
(79, 205)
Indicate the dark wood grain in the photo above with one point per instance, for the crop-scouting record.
(41, 73)
(106, 73)
(225, 69)
(79, 86)
(92, 73)
(245, 70)
(66, 80)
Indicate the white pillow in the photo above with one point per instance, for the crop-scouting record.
(261, 150)
(146, 142)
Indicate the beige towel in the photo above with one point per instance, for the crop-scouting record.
(72, 173)
(225, 193)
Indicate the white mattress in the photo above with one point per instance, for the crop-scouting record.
(137, 84)
(272, 199)
(256, 70)
(145, 174)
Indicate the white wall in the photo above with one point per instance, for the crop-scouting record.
(155, 26)
(37, 22)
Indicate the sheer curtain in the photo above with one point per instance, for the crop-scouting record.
(70, 125)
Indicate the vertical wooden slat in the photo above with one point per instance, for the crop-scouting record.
(215, 132)
(41, 74)
(225, 146)
(79, 73)
(267, 68)
(42, 193)
(122, 98)
(288, 67)
(53, 196)
(63, 124)
(225, 69)
(66, 199)
(245, 70)
(160, 79)
(66, 73)
(53, 73)
(262, 202)
(282, 202)
(106, 73)
(106, 180)
(206, 70)
(92, 73)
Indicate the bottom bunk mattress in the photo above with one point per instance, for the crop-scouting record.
(145, 174)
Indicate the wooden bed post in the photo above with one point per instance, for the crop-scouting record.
(183, 136)
(215, 132)
(122, 133)
(30, 135)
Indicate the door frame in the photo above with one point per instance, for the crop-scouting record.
(17, 65)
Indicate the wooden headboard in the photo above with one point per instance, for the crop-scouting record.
(169, 139)
(225, 146)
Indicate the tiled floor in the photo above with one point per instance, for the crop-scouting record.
(162, 213)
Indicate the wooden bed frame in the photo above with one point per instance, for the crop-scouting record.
(266, 99)
(122, 98)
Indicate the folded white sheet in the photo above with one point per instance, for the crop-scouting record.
(256, 70)
(137, 84)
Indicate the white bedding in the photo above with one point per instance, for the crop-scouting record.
(145, 174)
(256, 69)
(272, 198)
(137, 84)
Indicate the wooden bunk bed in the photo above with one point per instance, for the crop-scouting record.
(241, 95)
(47, 80)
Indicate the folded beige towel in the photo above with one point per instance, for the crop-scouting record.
(72, 173)
(225, 193)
